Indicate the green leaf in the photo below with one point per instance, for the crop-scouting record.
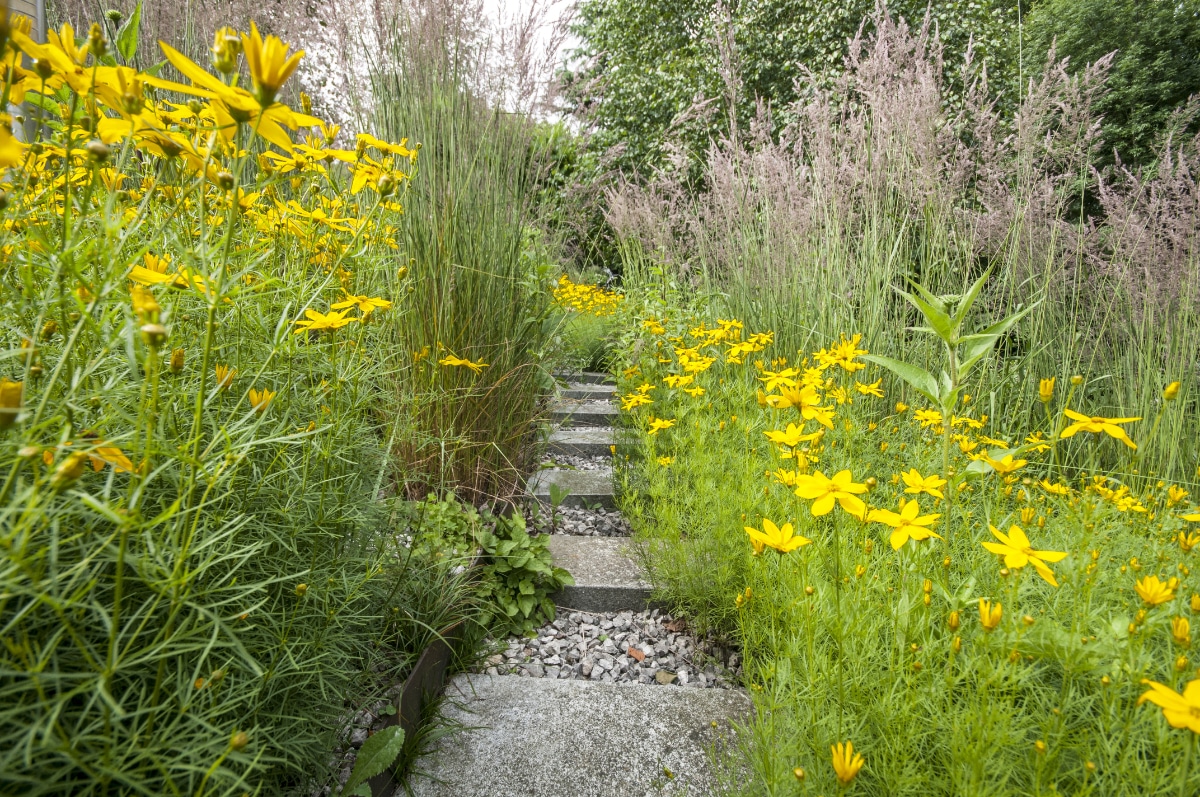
(975, 346)
(938, 320)
(127, 36)
(964, 306)
(377, 754)
(918, 378)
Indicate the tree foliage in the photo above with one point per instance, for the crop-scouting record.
(1157, 67)
(649, 72)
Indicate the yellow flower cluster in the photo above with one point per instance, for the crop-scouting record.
(584, 298)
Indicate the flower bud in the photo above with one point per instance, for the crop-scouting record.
(97, 44)
(1181, 663)
(1171, 392)
(798, 773)
(114, 16)
(1077, 380)
(44, 68)
(1046, 390)
(10, 402)
(402, 273)
(98, 150)
(301, 589)
(387, 184)
(956, 644)
(239, 740)
(177, 360)
(68, 471)
(953, 620)
(225, 180)
(154, 334)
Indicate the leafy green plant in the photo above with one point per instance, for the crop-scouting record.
(376, 755)
(946, 316)
(519, 577)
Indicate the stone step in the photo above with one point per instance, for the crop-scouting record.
(586, 377)
(596, 441)
(538, 737)
(576, 412)
(585, 487)
(581, 390)
(607, 579)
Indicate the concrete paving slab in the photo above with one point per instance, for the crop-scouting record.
(595, 441)
(580, 390)
(585, 487)
(587, 377)
(537, 737)
(607, 579)
(576, 412)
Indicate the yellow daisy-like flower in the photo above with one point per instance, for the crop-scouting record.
(793, 436)
(451, 360)
(846, 762)
(1098, 425)
(824, 492)
(1018, 551)
(782, 540)
(1179, 710)
(261, 399)
(1154, 591)
(365, 304)
(658, 424)
(873, 389)
(906, 524)
(990, 614)
(1006, 464)
(269, 64)
(917, 484)
(323, 322)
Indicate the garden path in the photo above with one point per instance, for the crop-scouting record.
(611, 699)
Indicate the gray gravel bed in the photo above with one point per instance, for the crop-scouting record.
(580, 522)
(578, 463)
(620, 647)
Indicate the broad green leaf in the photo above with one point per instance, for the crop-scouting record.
(127, 36)
(918, 378)
(968, 299)
(975, 346)
(938, 320)
(377, 754)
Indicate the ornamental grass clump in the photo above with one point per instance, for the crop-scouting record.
(198, 293)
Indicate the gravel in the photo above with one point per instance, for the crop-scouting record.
(578, 463)
(582, 522)
(618, 647)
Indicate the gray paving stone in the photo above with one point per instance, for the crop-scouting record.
(539, 737)
(585, 487)
(595, 441)
(576, 412)
(580, 390)
(586, 377)
(607, 579)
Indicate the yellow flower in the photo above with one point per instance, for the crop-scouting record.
(989, 614)
(782, 540)
(1188, 540)
(694, 392)
(873, 389)
(658, 424)
(261, 399)
(317, 322)
(905, 524)
(776, 379)
(675, 380)
(927, 418)
(1046, 390)
(1005, 464)
(365, 304)
(1175, 494)
(144, 303)
(269, 64)
(10, 402)
(918, 484)
(178, 356)
(225, 376)
(824, 492)
(901, 407)
(666, 461)
(791, 437)
(1153, 591)
(1055, 488)
(1181, 629)
(68, 471)
(1171, 391)
(846, 762)
(1018, 552)
(1180, 711)
(635, 400)
(12, 151)
(451, 360)
(1098, 425)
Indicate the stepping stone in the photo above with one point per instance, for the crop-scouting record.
(574, 412)
(585, 487)
(607, 579)
(538, 737)
(581, 390)
(590, 442)
(586, 377)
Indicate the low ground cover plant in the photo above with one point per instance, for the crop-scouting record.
(1011, 614)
